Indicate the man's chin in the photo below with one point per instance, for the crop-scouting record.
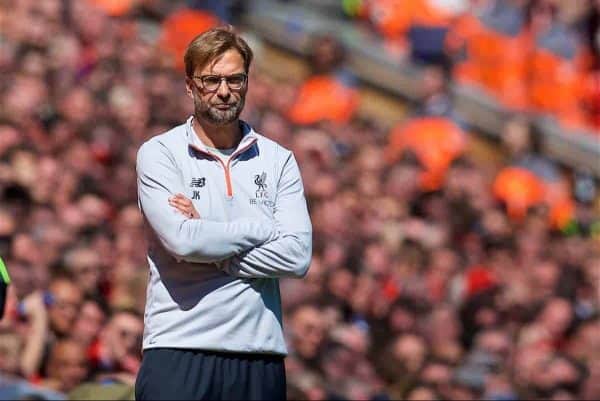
(220, 119)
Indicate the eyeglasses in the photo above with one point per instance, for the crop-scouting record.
(211, 83)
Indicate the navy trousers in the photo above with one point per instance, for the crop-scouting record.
(185, 374)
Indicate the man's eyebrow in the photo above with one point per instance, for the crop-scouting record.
(221, 75)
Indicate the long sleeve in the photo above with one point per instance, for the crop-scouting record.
(290, 253)
(192, 240)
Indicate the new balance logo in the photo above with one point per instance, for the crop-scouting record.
(198, 182)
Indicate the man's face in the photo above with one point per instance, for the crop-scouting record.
(411, 351)
(557, 316)
(124, 335)
(221, 105)
(309, 332)
(85, 266)
(68, 365)
(88, 323)
(65, 308)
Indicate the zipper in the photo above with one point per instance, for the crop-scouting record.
(227, 167)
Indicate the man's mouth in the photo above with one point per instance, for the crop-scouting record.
(223, 106)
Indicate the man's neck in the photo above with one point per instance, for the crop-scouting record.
(217, 136)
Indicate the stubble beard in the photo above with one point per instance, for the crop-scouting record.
(218, 117)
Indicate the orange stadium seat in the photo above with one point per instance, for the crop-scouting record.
(558, 196)
(592, 99)
(562, 213)
(394, 17)
(519, 189)
(499, 64)
(436, 141)
(465, 27)
(555, 85)
(323, 97)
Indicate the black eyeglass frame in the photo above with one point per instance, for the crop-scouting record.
(204, 87)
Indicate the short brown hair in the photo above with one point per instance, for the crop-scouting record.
(213, 43)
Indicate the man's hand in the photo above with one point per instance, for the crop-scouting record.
(34, 307)
(184, 205)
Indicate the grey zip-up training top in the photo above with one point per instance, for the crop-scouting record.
(213, 281)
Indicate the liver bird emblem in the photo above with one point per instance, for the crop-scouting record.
(261, 181)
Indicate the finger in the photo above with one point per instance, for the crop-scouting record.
(182, 208)
(185, 208)
(178, 203)
(187, 213)
(181, 201)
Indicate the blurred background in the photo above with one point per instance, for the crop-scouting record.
(450, 155)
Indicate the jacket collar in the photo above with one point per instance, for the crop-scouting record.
(249, 137)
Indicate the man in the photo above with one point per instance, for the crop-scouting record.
(65, 299)
(67, 366)
(308, 334)
(85, 266)
(117, 351)
(92, 316)
(238, 222)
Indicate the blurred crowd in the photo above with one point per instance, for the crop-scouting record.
(436, 274)
(540, 56)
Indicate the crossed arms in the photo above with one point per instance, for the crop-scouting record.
(248, 247)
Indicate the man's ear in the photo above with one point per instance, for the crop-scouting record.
(189, 87)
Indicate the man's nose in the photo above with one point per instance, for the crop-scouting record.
(223, 91)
